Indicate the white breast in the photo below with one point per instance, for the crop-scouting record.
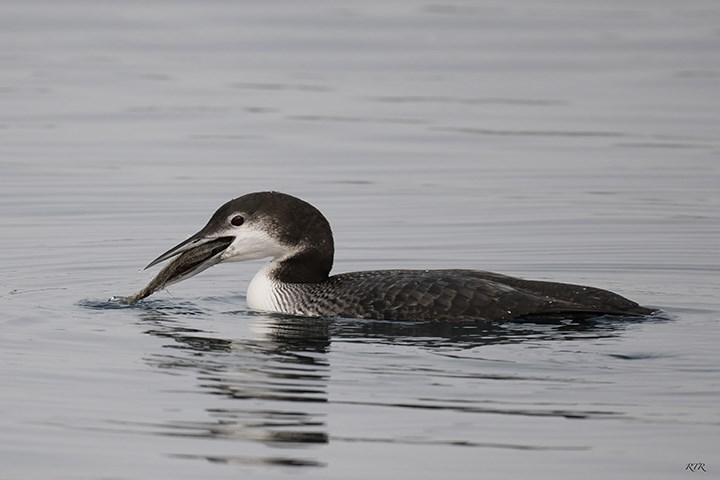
(262, 293)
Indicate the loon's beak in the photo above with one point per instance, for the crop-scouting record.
(204, 255)
(194, 241)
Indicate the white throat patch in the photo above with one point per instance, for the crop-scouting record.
(252, 244)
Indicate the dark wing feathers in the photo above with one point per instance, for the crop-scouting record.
(462, 295)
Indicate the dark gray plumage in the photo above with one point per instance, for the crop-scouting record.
(451, 296)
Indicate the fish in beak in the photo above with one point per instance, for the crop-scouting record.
(194, 255)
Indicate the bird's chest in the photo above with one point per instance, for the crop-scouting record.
(262, 293)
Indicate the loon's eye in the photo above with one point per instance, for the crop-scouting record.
(237, 220)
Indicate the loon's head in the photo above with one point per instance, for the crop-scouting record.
(266, 224)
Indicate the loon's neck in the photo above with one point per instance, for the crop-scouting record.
(268, 289)
(306, 266)
(310, 259)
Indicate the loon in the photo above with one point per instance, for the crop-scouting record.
(297, 280)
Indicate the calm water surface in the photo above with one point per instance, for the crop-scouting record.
(573, 141)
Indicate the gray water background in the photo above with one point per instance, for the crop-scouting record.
(567, 140)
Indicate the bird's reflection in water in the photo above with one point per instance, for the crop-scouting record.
(286, 369)
(468, 336)
(278, 372)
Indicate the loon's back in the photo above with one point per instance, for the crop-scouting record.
(451, 295)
